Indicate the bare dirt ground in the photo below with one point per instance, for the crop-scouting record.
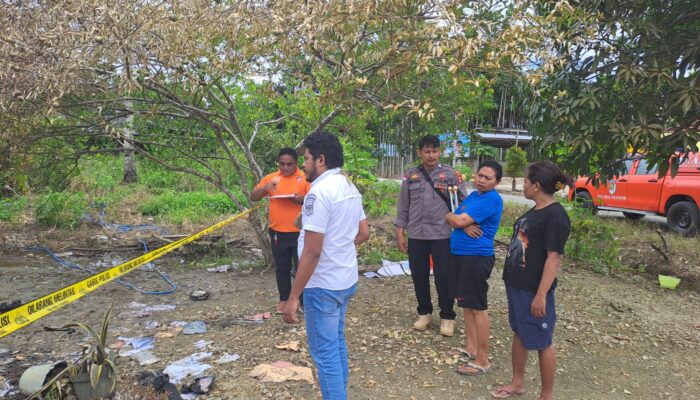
(616, 338)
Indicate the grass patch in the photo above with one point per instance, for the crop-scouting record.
(177, 207)
(592, 242)
(61, 209)
(635, 240)
(374, 256)
(381, 244)
(511, 212)
(380, 198)
(10, 209)
(98, 174)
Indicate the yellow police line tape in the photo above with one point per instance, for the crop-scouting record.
(27, 313)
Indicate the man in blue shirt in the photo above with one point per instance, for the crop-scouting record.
(475, 223)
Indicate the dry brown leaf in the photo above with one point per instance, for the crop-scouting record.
(292, 345)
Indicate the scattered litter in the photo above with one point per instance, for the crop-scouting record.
(146, 310)
(282, 364)
(200, 385)
(151, 324)
(220, 268)
(370, 274)
(169, 332)
(101, 237)
(390, 268)
(159, 307)
(227, 358)
(34, 377)
(187, 366)
(258, 317)
(6, 361)
(292, 345)
(64, 255)
(9, 305)
(118, 345)
(189, 396)
(137, 344)
(202, 344)
(255, 319)
(159, 382)
(7, 390)
(70, 331)
(281, 371)
(199, 295)
(195, 327)
(145, 357)
(172, 330)
(3, 351)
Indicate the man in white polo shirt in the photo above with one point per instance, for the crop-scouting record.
(333, 222)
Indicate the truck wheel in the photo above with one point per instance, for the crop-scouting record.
(584, 199)
(683, 218)
(633, 216)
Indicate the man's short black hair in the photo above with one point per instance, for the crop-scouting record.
(494, 165)
(288, 151)
(326, 144)
(428, 140)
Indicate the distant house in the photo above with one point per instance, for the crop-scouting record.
(457, 149)
(503, 139)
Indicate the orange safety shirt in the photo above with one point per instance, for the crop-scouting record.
(283, 211)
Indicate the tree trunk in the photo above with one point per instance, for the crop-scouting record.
(130, 175)
(255, 221)
(513, 185)
(127, 142)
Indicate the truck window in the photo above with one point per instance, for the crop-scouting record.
(643, 168)
(628, 167)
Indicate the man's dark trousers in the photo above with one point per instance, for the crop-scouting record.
(284, 251)
(419, 252)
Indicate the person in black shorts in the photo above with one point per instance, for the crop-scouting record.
(531, 266)
(475, 223)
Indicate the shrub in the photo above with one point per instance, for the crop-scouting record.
(592, 242)
(380, 198)
(10, 208)
(516, 159)
(466, 172)
(61, 209)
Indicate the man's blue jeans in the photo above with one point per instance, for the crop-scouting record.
(324, 311)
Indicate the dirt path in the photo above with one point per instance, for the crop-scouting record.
(616, 339)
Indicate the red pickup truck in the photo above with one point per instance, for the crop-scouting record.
(639, 191)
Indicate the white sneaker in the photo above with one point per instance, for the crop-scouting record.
(423, 322)
(447, 327)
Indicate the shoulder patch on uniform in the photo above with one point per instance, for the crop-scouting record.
(309, 204)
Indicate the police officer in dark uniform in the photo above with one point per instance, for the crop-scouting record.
(423, 204)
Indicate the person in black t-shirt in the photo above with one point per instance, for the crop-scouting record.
(531, 266)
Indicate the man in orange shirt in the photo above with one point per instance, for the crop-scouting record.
(286, 189)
